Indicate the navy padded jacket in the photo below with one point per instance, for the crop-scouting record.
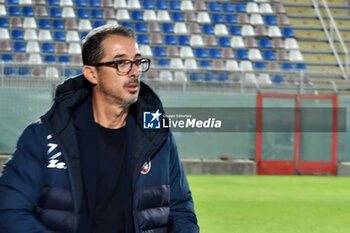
(41, 187)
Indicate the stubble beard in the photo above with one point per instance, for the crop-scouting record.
(134, 80)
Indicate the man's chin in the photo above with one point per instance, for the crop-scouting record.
(127, 103)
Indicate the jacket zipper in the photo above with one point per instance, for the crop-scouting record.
(147, 156)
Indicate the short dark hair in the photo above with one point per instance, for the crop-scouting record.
(92, 50)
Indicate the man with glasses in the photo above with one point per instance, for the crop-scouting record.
(88, 165)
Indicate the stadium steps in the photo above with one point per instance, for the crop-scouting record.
(319, 47)
(307, 3)
(343, 25)
(323, 68)
(300, 12)
(312, 40)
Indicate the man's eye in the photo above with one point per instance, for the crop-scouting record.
(120, 62)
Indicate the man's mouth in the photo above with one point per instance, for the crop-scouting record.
(132, 87)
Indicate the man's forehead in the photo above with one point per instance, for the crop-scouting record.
(117, 45)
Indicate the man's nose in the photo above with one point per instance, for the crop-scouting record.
(135, 70)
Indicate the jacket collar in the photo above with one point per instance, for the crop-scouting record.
(74, 91)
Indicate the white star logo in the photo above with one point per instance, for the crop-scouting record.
(156, 115)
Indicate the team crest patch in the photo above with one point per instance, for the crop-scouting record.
(146, 167)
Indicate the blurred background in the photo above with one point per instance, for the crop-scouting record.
(234, 54)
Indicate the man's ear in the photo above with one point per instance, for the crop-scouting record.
(90, 74)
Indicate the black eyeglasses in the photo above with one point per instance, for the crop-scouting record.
(125, 66)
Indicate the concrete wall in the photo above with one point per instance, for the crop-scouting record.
(344, 169)
(3, 160)
(206, 166)
(229, 167)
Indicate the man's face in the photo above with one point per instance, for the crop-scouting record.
(113, 85)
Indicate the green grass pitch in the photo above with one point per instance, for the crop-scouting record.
(280, 204)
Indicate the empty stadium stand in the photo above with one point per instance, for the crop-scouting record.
(222, 37)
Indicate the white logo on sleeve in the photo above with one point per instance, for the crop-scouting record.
(54, 156)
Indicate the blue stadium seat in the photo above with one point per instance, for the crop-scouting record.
(163, 62)
(234, 30)
(47, 47)
(241, 54)
(240, 7)
(13, 11)
(50, 59)
(224, 42)
(167, 28)
(58, 36)
(4, 23)
(140, 27)
(204, 64)
(83, 35)
(217, 18)
(127, 24)
(231, 19)
(287, 32)
(200, 53)
(82, 13)
(177, 17)
(161, 5)
(214, 53)
(67, 73)
(136, 15)
(169, 40)
(96, 14)
(9, 71)
(159, 51)
(259, 65)
(17, 34)
(194, 76)
(18, 46)
(27, 11)
(207, 29)
(80, 3)
(142, 39)
(300, 66)
(6, 57)
(94, 3)
(57, 24)
(287, 66)
(53, 2)
(209, 77)
(227, 7)
(12, 2)
(213, 6)
(147, 4)
(183, 40)
(278, 78)
(270, 20)
(44, 24)
(222, 77)
(174, 5)
(264, 43)
(268, 55)
(55, 12)
(64, 59)
(97, 24)
(78, 72)
(23, 71)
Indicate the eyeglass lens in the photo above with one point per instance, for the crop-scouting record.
(126, 66)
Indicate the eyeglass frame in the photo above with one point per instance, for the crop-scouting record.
(115, 63)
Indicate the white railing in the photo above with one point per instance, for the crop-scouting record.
(331, 33)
